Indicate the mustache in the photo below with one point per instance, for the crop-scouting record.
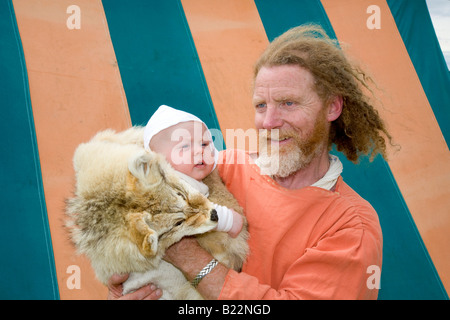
(277, 134)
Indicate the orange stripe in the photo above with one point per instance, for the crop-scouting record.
(422, 166)
(229, 37)
(76, 91)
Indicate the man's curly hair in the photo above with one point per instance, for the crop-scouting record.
(359, 130)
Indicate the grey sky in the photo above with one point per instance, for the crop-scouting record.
(440, 15)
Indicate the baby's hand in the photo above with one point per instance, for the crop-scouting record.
(238, 223)
(229, 221)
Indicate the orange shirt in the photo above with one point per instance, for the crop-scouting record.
(309, 243)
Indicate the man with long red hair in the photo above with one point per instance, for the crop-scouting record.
(311, 235)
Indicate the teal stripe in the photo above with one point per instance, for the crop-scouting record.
(416, 29)
(27, 265)
(292, 13)
(157, 59)
(407, 272)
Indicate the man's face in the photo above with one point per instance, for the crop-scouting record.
(284, 99)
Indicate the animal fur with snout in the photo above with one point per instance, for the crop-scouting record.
(130, 206)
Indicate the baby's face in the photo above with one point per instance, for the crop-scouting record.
(188, 147)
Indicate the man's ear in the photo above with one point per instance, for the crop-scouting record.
(335, 108)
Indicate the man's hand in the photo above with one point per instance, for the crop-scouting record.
(148, 292)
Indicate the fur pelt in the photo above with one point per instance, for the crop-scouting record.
(129, 206)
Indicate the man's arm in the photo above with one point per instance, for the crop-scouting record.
(334, 269)
(190, 258)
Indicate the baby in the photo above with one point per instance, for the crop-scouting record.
(187, 145)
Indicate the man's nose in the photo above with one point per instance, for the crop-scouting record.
(272, 118)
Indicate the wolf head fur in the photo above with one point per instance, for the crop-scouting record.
(129, 206)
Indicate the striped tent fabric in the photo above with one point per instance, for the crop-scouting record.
(70, 68)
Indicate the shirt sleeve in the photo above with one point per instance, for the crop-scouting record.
(337, 268)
